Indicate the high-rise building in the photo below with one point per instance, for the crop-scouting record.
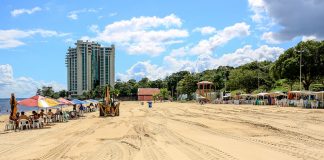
(89, 65)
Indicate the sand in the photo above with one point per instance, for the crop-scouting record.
(176, 131)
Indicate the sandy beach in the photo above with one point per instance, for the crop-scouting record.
(176, 131)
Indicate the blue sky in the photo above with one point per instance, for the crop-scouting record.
(153, 38)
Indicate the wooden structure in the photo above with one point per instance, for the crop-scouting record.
(109, 106)
(203, 91)
(146, 94)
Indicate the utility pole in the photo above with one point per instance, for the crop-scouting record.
(300, 68)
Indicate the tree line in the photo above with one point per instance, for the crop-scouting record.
(282, 74)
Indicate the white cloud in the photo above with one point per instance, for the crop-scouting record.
(306, 38)
(112, 14)
(247, 54)
(69, 41)
(144, 35)
(12, 38)
(6, 74)
(74, 15)
(221, 38)
(269, 38)
(143, 69)
(259, 9)
(203, 62)
(17, 12)
(21, 86)
(94, 28)
(205, 30)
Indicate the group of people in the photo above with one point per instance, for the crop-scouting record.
(36, 117)
(42, 117)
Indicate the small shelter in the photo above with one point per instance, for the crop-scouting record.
(204, 91)
(146, 94)
(320, 98)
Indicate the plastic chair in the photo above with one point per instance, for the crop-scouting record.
(49, 119)
(24, 123)
(10, 125)
(65, 116)
(36, 124)
(41, 122)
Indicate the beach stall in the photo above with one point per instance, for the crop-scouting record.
(319, 96)
(294, 98)
(246, 98)
(280, 98)
(304, 99)
(263, 99)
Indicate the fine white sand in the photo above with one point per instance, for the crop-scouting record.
(176, 131)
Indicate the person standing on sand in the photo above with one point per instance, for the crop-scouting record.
(13, 107)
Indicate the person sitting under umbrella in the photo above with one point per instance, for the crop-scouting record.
(23, 116)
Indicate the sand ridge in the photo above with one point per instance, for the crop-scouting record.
(174, 130)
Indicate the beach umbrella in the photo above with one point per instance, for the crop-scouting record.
(93, 101)
(76, 101)
(13, 107)
(63, 101)
(39, 101)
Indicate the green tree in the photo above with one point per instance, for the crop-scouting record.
(62, 93)
(164, 93)
(311, 55)
(243, 79)
(47, 91)
(173, 79)
(188, 85)
(144, 83)
(115, 92)
(56, 95)
(158, 84)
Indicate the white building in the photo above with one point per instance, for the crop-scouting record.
(89, 65)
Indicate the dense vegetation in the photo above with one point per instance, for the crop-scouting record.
(283, 75)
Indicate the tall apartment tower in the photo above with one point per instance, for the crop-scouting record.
(89, 65)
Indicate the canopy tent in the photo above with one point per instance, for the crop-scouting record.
(277, 93)
(39, 101)
(319, 95)
(262, 95)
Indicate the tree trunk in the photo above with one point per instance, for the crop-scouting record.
(306, 85)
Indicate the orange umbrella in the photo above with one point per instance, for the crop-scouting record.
(13, 107)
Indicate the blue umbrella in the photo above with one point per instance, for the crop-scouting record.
(94, 101)
(76, 101)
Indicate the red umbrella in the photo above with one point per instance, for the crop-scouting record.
(30, 102)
